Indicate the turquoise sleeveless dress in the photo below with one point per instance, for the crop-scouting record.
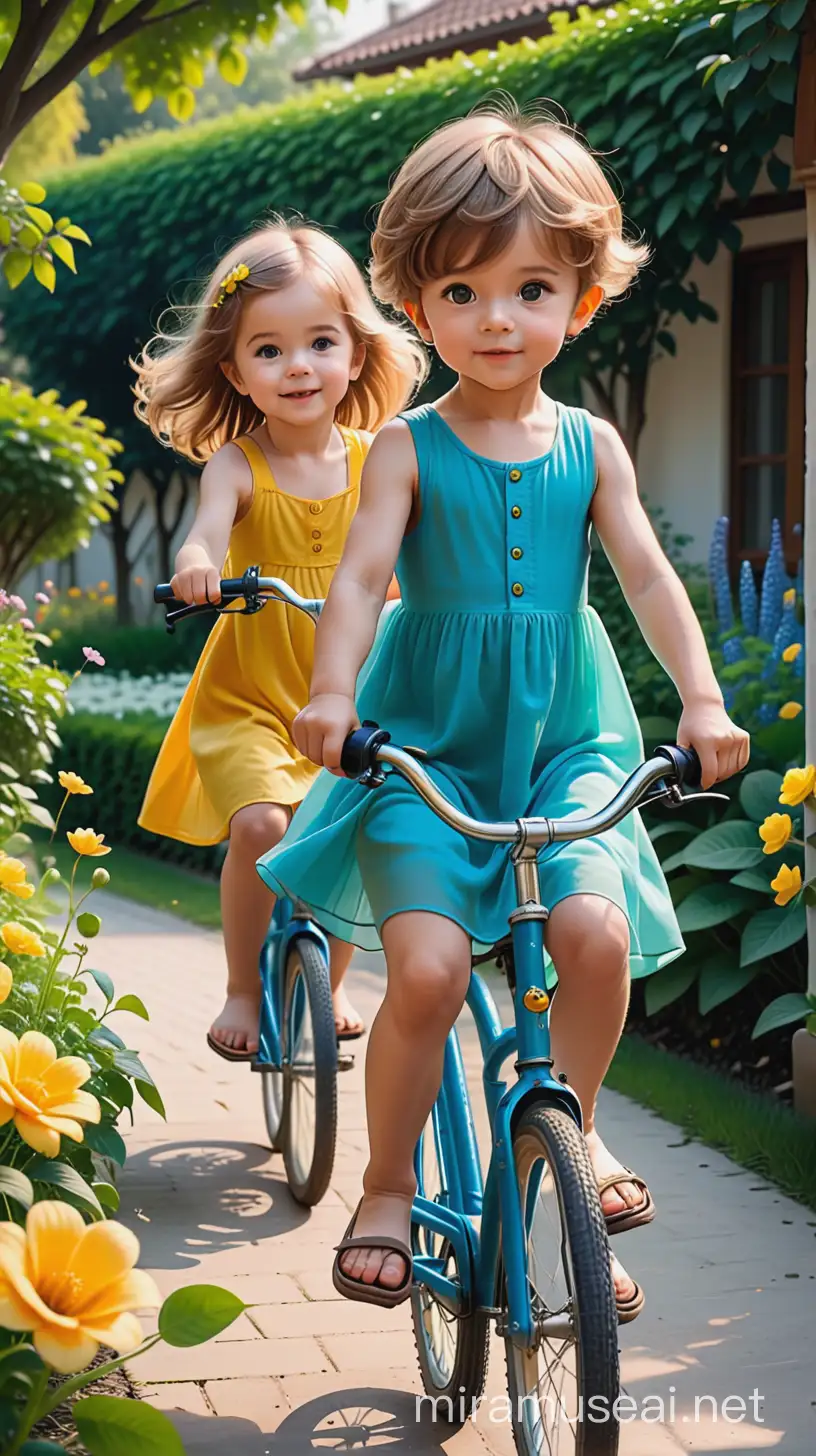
(494, 664)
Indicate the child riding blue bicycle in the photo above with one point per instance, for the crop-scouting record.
(500, 239)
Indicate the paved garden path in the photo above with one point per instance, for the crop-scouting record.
(729, 1267)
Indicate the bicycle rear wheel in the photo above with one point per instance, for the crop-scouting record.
(452, 1350)
(309, 1130)
(563, 1392)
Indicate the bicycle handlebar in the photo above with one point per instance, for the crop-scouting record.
(251, 588)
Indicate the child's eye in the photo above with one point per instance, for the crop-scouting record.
(533, 292)
(459, 293)
(322, 345)
(267, 351)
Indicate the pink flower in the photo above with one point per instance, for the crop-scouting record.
(4, 598)
(49, 585)
(18, 603)
(91, 655)
(27, 624)
(41, 597)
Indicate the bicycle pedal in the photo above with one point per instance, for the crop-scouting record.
(345, 1061)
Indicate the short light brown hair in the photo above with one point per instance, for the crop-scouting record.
(181, 391)
(463, 193)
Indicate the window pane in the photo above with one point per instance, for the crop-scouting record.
(765, 415)
(768, 321)
(763, 499)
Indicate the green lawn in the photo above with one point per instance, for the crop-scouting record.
(147, 881)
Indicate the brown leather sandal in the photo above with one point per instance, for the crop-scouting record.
(629, 1309)
(227, 1052)
(627, 1218)
(371, 1293)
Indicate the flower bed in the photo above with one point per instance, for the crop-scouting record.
(121, 695)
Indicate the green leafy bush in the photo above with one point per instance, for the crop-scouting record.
(141, 651)
(32, 701)
(56, 475)
(30, 240)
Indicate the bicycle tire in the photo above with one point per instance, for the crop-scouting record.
(309, 1130)
(272, 1097)
(548, 1136)
(460, 1379)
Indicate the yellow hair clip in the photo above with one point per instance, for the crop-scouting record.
(229, 284)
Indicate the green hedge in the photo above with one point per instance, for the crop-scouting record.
(159, 210)
(117, 759)
(141, 651)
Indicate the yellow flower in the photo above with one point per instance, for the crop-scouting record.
(6, 982)
(787, 884)
(791, 653)
(40, 1092)
(72, 783)
(790, 710)
(103, 585)
(93, 596)
(109, 601)
(87, 841)
(21, 941)
(797, 785)
(789, 597)
(72, 1286)
(13, 878)
(776, 831)
(74, 591)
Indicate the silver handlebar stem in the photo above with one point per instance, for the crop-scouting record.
(273, 586)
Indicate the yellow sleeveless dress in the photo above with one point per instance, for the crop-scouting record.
(230, 742)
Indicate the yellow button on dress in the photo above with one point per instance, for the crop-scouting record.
(230, 741)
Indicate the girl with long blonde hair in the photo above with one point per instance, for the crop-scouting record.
(275, 383)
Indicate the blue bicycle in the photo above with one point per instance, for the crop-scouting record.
(539, 1264)
(297, 1059)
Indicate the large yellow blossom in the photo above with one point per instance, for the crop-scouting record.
(6, 982)
(787, 884)
(40, 1092)
(20, 940)
(72, 1286)
(776, 831)
(797, 785)
(13, 878)
(791, 653)
(790, 710)
(87, 841)
(72, 783)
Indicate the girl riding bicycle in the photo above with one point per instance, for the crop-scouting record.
(284, 367)
(500, 239)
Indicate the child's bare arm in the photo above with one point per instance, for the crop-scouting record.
(663, 611)
(348, 624)
(225, 492)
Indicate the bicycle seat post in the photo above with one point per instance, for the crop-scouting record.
(527, 927)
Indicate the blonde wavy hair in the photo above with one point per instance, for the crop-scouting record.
(181, 391)
(461, 196)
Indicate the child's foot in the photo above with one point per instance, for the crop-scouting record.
(388, 1216)
(236, 1028)
(347, 1023)
(622, 1196)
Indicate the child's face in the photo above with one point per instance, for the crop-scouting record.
(294, 354)
(502, 323)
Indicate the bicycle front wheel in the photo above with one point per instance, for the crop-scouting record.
(309, 1131)
(563, 1392)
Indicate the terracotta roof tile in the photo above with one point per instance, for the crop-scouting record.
(440, 28)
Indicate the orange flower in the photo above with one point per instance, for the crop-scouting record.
(40, 1092)
(13, 878)
(790, 710)
(6, 982)
(787, 884)
(21, 941)
(88, 842)
(72, 783)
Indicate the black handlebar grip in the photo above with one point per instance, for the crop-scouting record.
(163, 592)
(687, 767)
(359, 754)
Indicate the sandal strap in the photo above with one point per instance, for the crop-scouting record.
(373, 1241)
(626, 1176)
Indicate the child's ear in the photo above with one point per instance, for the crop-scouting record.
(230, 372)
(416, 314)
(358, 359)
(587, 307)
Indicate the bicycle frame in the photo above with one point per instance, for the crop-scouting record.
(285, 927)
(500, 1246)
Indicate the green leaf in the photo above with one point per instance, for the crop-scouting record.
(731, 846)
(104, 983)
(83, 1020)
(16, 267)
(73, 231)
(759, 880)
(108, 1195)
(667, 342)
(729, 77)
(149, 1093)
(644, 159)
(43, 219)
(770, 932)
(133, 1004)
(810, 896)
(711, 905)
(720, 979)
(745, 18)
(678, 827)
(759, 794)
(232, 65)
(779, 172)
(781, 1012)
(669, 213)
(110, 1426)
(692, 124)
(118, 1088)
(14, 1184)
(181, 103)
(198, 1313)
(782, 83)
(70, 1184)
(790, 12)
(42, 1448)
(63, 250)
(669, 985)
(129, 1064)
(32, 192)
(5, 231)
(106, 1036)
(104, 1139)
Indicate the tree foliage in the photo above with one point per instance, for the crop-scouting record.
(161, 209)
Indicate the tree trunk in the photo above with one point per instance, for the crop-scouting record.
(120, 535)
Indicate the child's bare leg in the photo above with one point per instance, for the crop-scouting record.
(246, 907)
(346, 1019)
(428, 973)
(588, 939)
